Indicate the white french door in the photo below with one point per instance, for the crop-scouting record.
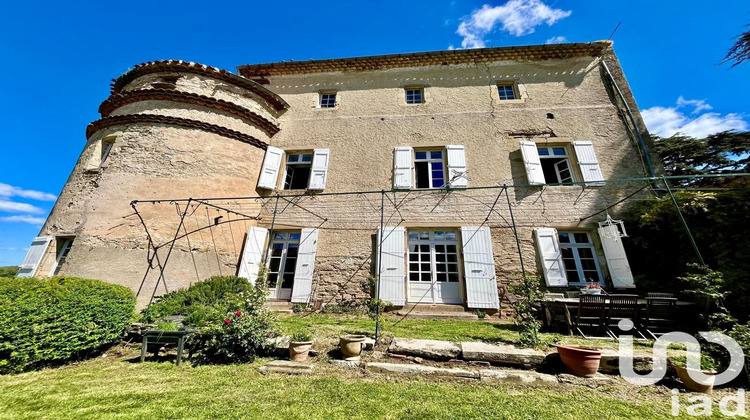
(434, 271)
(282, 264)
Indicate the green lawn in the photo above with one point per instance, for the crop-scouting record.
(113, 387)
(332, 325)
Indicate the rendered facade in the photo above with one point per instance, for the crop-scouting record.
(297, 165)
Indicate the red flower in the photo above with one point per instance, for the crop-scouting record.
(238, 313)
(227, 321)
(262, 320)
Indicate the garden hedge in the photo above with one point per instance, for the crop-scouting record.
(58, 319)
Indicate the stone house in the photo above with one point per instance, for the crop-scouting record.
(446, 173)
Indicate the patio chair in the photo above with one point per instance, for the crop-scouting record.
(591, 314)
(622, 307)
(660, 316)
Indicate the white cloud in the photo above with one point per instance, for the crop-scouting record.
(12, 206)
(13, 249)
(668, 121)
(517, 17)
(556, 40)
(23, 219)
(11, 191)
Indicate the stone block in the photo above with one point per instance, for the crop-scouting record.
(402, 369)
(431, 349)
(287, 367)
(501, 353)
(516, 376)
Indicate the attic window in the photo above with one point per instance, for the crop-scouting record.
(414, 95)
(166, 82)
(507, 91)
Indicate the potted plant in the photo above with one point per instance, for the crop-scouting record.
(592, 289)
(581, 361)
(352, 345)
(300, 345)
(683, 372)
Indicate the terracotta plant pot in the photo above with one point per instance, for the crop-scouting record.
(581, 361)
(682, 373)
(298, 350)
(352, 345)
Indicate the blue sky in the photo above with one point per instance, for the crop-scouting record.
(59, 58)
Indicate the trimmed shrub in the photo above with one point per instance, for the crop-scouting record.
(238, 338)
(198, 301)
(58, 319)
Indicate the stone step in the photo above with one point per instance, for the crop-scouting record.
(453, 316)
(404, 369)
(281, 306)
(287, 367)
(435, 308)
(431, 349)
(515, 376)
(501, 353)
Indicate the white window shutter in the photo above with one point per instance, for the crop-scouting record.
(402, 163)
(457, 176)
(532, 163)
(303, 273)
(592, 173)
(479, 268)
(252, 255)
(319, 170)
(34, 256)
(548, 245)
(617, 261)
(269, 172)
(392, 266)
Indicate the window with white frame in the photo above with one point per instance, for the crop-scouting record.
(64, 245)
(555, 164)
(429, 168)
(506, 91)
(297, 171)
(283, 261)
(327, 99)
(579, 258)
(414, 95)
(433, 256)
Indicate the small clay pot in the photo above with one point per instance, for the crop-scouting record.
(581, 361)
(352, 345)
(682, 373)
(298, 350)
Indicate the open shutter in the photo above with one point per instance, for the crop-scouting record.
(252, 255)
(592, 173)
(319, 170)
(532, 163)
(34, 256)
(479, 268)
(402, 161)
(392, 266)
(548, 246)
(303, 272)
(457, 176)
(617, 261)
(269, 172)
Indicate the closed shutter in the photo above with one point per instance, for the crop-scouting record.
(303, 272)
(252, 255)
(592, 173)
(550, 255)
(269, 172)
(319, 171)
(34, 256)
(532, 163)
(457, 176)
(402, 161)
(617, 261)
(392, 266)
(479, 268)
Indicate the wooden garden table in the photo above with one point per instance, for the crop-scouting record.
(165, 337)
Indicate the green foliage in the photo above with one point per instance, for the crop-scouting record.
(58, 319)
(720, 153)
(480, 313)
(8, 271)
(166, 326)
(299, 307)
(375, 307)
(301, 336)
(526, 310)
(341, 309)
(201, 302)
(238, 338)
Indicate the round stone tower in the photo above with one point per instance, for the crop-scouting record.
(169, 130)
